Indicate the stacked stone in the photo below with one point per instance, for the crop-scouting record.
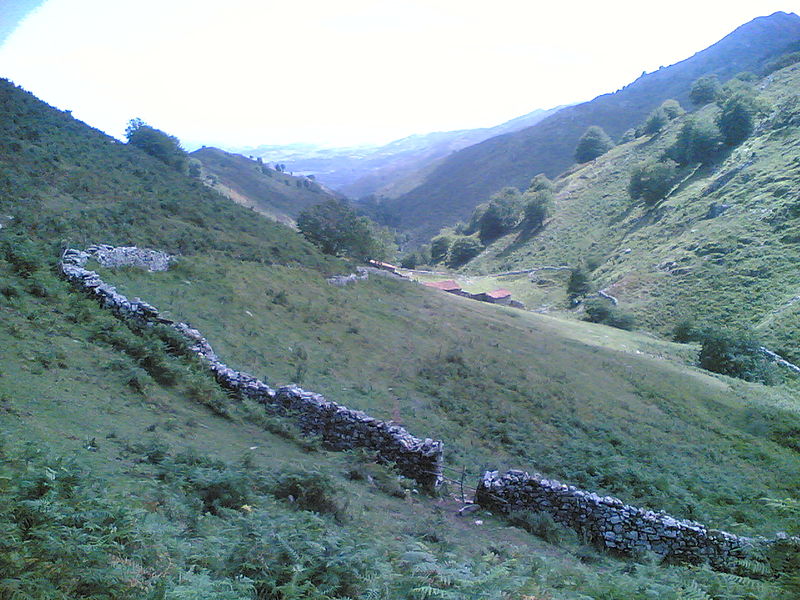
(607, 520)
(343, 280)
(120, 256)
(107, 295)
(340, 427)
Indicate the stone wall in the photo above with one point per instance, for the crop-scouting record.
(610, 522)
(606, 520)
(339, 427)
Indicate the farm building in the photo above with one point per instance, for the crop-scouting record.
(500, 296)
(449, 285)
(382, 265)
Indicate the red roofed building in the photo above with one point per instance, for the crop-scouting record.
(382, 265)
(500, 296)
(448, 285)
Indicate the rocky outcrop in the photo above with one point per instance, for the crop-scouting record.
(610, 522)
(339, 427)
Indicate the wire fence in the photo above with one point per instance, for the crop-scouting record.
(462, 476)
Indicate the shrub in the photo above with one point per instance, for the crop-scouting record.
(687, 331)
(335, 228)
(501, 214)
(655, 122)
(578, 284)
(440, 248)
(704, 90)
(463, 249)
(672, 108)
(9, 291)
(543, 525)
(600, 311)
(156, 143)
(652, 180)
(628, 136)
(536, 208)
(593, 143)
(219, 488)
(409, 261)
(61, 537)
(540, 183)
(782, 61)
(309, 490)
(195, 168)
(364, 468)
(734, 353)
(697, 141)
(24, 256)
(735, 121)
(537, 202)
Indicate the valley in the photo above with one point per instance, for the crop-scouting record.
(136, 463)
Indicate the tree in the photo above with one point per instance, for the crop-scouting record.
(704, 90)
(672, 108)
(736, 120)
(336, 229)
(536, 208)
(697, 141)
(578, 284)
(537, 202)
(734, 353)
(628, 136)
(540, 182)
(464, 248)
(657, 120)
(195, 168)
(440, 247)
(651, 180)
(501, 215)
(156, 143)
(601, 311)
(593, 143)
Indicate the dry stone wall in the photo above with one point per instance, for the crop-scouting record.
(339, 427)
(610, 522)
(606, 520)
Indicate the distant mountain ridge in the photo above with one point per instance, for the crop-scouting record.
(467, 177)
(387, 170)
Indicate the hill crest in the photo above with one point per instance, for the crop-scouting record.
(470, 176)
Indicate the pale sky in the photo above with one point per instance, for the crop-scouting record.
(340, 72)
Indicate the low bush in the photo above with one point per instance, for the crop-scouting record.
(735, 353)
(310, 490)
(543, 525)
(365, 468)
(464, 248)
(652, 180)
(600, 311)
(687, 331)
(697, 141)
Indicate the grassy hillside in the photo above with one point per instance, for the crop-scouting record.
(672, 261)
(126, 473)
(272, 193)
(470, 176)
